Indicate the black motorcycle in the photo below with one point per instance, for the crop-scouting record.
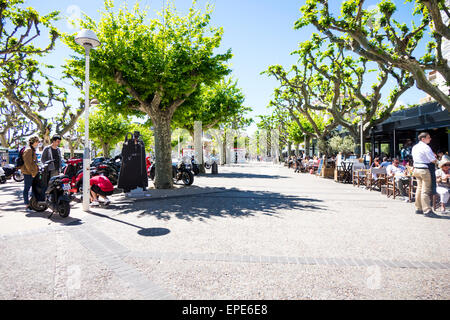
(11, 171)
(106, 169)
(195, 167)
(51, 193)
(179, 172)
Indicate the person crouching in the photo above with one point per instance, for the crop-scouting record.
(100, 186)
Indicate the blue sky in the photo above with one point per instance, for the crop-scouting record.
(259, 32)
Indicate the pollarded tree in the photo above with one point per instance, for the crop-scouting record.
(213, 105)
(19, 27)
(106, 130)
(387, 41)
(338, 67)
(32, 93)
(151, 66)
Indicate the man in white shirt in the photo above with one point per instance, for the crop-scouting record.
(401, 176)
(424, 160)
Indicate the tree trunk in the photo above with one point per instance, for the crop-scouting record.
(307, 144)
(105, 148)
(72, 149)
(224, 148)
(3, 140)
(163, 151)
(198, 145)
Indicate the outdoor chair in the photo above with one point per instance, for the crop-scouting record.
(391, 187)
(357, 173)
(359, 177)
(376, 177)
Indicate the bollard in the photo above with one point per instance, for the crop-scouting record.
(214, 168)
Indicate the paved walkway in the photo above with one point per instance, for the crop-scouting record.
(252, 232)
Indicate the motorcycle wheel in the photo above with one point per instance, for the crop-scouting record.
(2, 179)
(196, 170)
(18, 176)
(187, 177)
(64, 209)
(34, 204)
(207, 166)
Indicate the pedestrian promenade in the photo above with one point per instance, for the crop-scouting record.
(254, 231)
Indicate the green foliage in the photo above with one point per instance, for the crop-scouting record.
(106, 130)
(213, 105)
(344, 145)
(139, 58)
(146, 134)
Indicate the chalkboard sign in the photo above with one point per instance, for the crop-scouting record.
(319, 170)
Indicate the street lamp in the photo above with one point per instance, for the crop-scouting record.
(361, 112)
(88, 39)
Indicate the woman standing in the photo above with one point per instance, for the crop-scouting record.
(30, 168)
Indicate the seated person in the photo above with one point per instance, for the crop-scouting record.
(298, 163)
(401, 176)
(443, 181)
(100, 186)
(385, 162)
(376, 163)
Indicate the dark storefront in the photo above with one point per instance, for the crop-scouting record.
(389, 136)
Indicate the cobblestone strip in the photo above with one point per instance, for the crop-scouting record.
(110, 252)
(32, 232)
(60, 291)
(341, 262)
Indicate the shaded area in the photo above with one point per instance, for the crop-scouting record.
(153, 232)
(225, 204)
(243, 176)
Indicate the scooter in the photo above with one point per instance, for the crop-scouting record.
(11, 170)
(2, 176)
(179, 172)
(51, 193)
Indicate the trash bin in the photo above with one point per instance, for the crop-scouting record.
(214, 168)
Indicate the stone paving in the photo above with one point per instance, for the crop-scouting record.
(256, 231)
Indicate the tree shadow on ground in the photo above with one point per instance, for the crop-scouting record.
(243, 176)
(221, 204)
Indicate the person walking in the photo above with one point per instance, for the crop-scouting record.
(424, 171)
(52, 152)
(29, 168)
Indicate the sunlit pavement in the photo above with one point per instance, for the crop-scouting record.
(254, 231)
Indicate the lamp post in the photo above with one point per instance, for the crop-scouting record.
(88, 39)
(361, 113)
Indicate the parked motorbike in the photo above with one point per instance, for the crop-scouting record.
(2, 176)
(209, 162)
(51, 193)
(179, 172)
(107, 169)
(195, 167)
(11, 171)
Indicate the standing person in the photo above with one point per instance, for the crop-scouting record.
(424, 171)
(29, 168)
(52, 152)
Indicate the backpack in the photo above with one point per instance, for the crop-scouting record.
(19, 160)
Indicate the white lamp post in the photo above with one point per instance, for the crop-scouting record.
(361, 112)
(88, 39)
